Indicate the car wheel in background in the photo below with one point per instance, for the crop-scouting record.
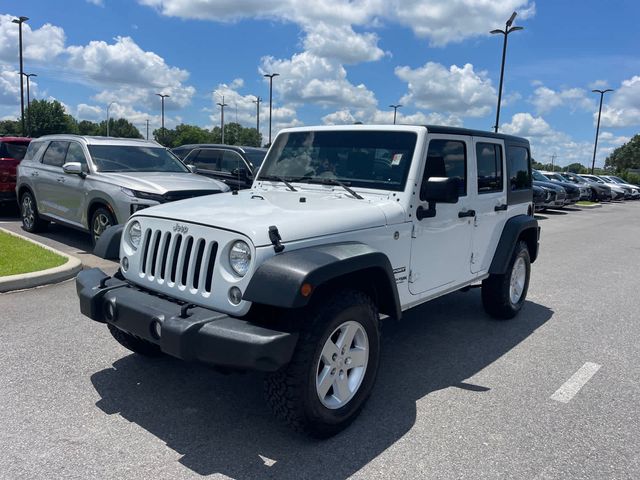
(101, 219)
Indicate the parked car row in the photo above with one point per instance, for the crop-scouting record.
(559, 189)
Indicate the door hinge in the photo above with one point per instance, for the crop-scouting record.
(473, 260)
(411, 280)
(413, 231)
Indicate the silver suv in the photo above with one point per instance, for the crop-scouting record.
(91, 183)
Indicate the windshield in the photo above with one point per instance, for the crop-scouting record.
(555, 176)
(539, 177)
(15, 150)
(593, 179)
(366, 159)
(255, 156)
(126, 158)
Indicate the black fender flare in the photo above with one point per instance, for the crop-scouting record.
(278, 281)
(523, 227)
(108, 244)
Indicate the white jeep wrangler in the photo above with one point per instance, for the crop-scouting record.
(342, 225)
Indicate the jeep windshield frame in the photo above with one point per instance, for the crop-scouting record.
(374, 159)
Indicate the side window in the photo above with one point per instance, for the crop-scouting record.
(75, 154)
(231, 161)
(55, 154)
(447, 158)
(207, 159)
(33, 150)
(519, 168)
(489, 158)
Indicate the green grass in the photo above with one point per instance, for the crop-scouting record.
(20, 256)
(586, 203)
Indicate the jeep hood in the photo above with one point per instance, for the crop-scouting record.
(161, 183)
(252, 213)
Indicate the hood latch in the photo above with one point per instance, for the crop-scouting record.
(274, 236)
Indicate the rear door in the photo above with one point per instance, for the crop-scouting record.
(489, 200)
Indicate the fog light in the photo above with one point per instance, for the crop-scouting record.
(110, 310)
(235, 295)
(156, 329)
(125, 264)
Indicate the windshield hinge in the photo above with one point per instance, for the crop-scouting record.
(413, 231)
(275, 238)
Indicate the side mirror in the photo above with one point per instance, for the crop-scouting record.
(73, 168)
(437, 190)
(192, 168)
(240, 172)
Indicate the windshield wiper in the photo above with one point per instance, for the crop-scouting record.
(333, 181)
(279, 179)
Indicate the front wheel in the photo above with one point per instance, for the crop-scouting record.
(333, 370)
(503, 295)
(100, 221)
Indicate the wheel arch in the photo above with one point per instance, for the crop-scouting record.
(279, 280)
(96, 203)
(519, 228)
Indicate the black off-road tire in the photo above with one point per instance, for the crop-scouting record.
(135, 344)
(31, 221)
(291, 391)
(496, 298)
(103, 213)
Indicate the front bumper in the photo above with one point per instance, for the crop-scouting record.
(201, 335)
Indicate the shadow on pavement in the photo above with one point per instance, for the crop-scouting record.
(220, 424)
(555, 212)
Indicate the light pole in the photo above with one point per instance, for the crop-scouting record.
(395, 111)
(222, 105)
(162, 97)
(257, 102)
(20, 21)
(28, 76)
(147, 129)
(507, 30)
(595, 147)
(108, 107)
(270, 76)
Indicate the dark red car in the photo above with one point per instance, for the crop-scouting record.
(12, 150)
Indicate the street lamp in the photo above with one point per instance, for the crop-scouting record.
(20, 21)
(507, 30)
(257, 102)
(162, 96)
(270, 76)
(108, 107)
(222, 105)
(28, 76)
(395, 111)
(595, 147)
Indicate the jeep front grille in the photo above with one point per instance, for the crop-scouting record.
(177, 259)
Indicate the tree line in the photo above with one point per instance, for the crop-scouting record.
(44, 117)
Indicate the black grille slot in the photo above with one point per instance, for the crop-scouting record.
(145, 249)
(187, 259)
(154, 252)
(174, 256)
(211, 264)
(198, 265)
(164, 258)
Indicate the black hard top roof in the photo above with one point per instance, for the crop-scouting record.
(475, 133)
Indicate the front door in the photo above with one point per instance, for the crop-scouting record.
(489, 200)
(441, 245)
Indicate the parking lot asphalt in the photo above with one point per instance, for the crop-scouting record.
(552, 394)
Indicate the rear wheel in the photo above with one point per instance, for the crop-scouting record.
(333, 370)
(101, 219)
(31, 220)
(503, 295)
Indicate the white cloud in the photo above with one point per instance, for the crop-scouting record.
(458, 90)
(99, 3)
(342, 44)
(42, 43)
(622, 107)
(90, 112)
(545, 99)
(9, 86)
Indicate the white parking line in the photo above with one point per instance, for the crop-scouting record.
(578, 380)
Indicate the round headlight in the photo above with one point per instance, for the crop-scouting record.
(135, 234)
(240, 257)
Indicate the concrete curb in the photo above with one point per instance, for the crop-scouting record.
(597, 205)
(43, 277)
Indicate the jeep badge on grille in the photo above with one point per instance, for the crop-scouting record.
(177, 228)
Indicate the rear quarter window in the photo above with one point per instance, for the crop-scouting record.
(519, 163)
(34, 149)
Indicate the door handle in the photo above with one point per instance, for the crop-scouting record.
(468, 213)
(34, 174)
(61, 180)
(500, 208)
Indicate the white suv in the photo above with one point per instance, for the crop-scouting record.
(342, 225)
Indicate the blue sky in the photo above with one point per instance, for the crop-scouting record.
(340, 61)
